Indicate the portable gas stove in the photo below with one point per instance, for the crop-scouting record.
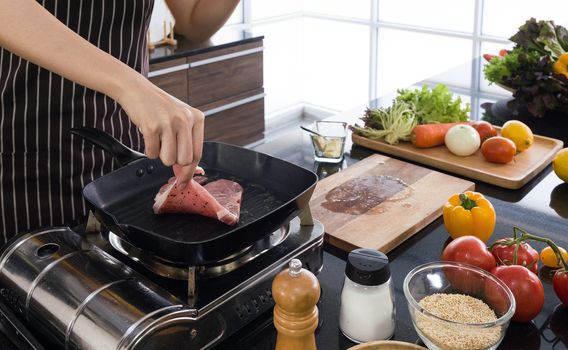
(98, 291)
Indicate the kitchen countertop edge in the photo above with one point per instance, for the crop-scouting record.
(185, 49)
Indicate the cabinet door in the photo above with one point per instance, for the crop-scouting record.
(171, 76)
(238, 120)
(224, 73)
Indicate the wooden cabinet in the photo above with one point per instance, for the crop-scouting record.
(238, 120)
(225, 83)
(171, 76)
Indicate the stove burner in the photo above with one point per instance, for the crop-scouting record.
(168, 269)
(98, 285)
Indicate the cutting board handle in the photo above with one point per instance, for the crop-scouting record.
(101, 139)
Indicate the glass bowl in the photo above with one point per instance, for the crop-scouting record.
(439, 333)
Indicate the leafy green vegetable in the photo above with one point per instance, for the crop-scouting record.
(434, 105)
(517, 60)
(528, 68)
(394, 123)
(543, 37)
(538, 89)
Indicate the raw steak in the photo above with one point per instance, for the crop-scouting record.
(202, 180)
(219, 199)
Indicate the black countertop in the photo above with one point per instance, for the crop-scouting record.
(541, 207)
(222, 39)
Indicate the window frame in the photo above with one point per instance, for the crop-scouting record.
(374, 24)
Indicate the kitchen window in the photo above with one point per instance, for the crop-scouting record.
(323, 56)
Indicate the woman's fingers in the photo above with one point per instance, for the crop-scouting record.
(184, 146)
(186, 172)
(195, 146)
(197, 135)
(152, 144)
(168, 147)
(173, 131)
(184, 175)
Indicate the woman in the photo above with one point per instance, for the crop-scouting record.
(69, 63)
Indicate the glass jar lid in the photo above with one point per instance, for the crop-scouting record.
(367, 267)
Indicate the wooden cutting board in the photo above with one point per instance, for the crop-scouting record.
(387, 345)
(514, 175)
(380, 202)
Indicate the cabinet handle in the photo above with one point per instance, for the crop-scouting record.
(225, 57)
(167, 70)
(233, 104)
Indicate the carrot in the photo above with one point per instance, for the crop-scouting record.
(430, 135)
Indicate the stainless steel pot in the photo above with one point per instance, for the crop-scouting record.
(80, 297)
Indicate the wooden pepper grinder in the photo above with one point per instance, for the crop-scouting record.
(296, 292)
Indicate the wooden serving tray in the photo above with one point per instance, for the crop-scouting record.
(514, 175)
(380, 202)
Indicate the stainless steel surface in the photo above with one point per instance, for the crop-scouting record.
(168, 269)
(80, 295)
(251, 297)
(75, 295)
(191, 286)
(306, 218)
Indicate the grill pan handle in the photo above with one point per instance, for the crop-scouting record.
(101, 139)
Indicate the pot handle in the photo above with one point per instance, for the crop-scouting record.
(101, 139)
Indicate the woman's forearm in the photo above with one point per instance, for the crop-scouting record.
(198, 20)
(31, 32)
(172, 130)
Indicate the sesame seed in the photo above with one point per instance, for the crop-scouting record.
(457, 308)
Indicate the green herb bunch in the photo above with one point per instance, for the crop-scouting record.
(393, 123)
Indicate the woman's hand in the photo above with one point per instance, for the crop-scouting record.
(172, 130)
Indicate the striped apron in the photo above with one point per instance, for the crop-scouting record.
(42, 167)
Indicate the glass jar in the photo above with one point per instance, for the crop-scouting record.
(367, 310)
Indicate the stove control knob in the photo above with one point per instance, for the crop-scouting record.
(296, 292)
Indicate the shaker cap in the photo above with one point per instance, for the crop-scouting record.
(367, 267)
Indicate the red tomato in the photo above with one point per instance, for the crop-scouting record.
(498, 150)
(470, 250)
(527, 289)
(496, 297)
(504, 251)
(560, 284)
(484, 129)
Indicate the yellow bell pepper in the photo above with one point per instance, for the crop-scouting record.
(561, 65)
(469, 214)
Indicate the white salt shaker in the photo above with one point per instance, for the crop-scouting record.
(367, 309)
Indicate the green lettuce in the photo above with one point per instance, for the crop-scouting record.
(436, 105)
(499, 69)
(542, 36)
